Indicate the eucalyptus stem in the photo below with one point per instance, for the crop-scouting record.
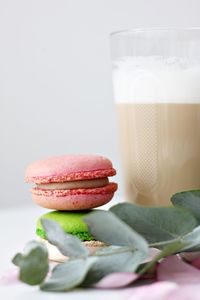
(163, 243)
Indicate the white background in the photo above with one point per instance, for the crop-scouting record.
(55, 77)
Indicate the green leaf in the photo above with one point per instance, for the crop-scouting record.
(113, 259)
(67, 244)
(107, 227)
(33, 263)
(189, 200)
(192, 241)
(68, 275)
(109, 250)
(156, 224)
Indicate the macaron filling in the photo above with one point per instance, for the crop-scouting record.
(110, 188)
(78, 184)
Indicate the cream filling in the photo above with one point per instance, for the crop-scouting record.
(79, 184)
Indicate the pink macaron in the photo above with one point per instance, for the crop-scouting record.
(71, 182)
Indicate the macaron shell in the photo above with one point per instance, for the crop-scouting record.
(69, 167)
(70, 222)
(78, 199)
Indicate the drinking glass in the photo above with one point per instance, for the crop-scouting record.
(156, 80)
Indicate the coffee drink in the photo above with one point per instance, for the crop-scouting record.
(158, 110)
(160, 149)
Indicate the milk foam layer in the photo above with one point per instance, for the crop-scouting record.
(156, 80)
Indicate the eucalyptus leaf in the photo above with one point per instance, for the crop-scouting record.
(67, 244)
(33, 263)
(189, 200)
(192, 241)
(111, 260)
(68, 275)
(156, 224)
(109, 250)
(107, 227)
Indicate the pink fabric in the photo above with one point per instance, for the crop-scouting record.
(10, 276)
(196, 263)
(117, 280)
(190, 256)
(69, 167)
(174, 269)
(161, 291)
(155, 291)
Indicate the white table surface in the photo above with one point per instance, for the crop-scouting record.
(17, 226)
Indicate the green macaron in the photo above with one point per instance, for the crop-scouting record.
(70, 222)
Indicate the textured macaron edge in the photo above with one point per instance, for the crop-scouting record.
(83, 236)
(84, 175)
(108, 189)
(72, 202)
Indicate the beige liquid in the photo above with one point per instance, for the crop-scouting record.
(160, 150)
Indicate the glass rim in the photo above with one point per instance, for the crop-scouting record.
(154, 29)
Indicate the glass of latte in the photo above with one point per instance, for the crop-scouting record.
(156, 79)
